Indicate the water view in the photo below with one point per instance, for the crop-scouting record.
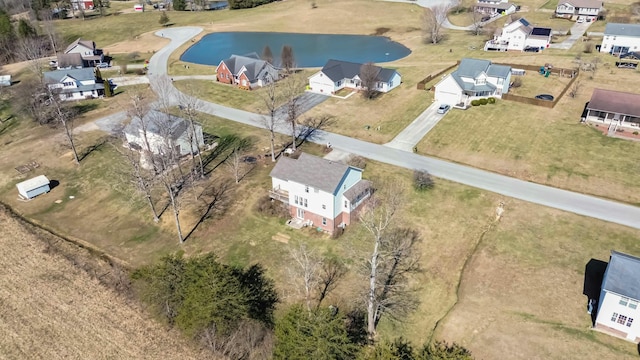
(310, 50)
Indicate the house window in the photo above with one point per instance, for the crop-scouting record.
(614, 317)
(324, 222)
(324, 207)
(633, 304)
(305, 202)
(629, 322)
(296, 200)
(345, 204)
(623, 301)
(622, 319)
(306, 189)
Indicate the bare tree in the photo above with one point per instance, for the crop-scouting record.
(575, 88)
(172, 188)
(330, 274)
(312, 125)
(271, 121)
(369, 80)
(235, 163)
(287, 59)
(33, 50)
(267, 54)
(391, 257)
(190, 106)
(306, 267)
(142, 179)
(433, 20)
(476, 21)
(49, 29)
(292, 86)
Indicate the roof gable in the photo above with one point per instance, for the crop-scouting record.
(313, 171)
(77, 74)
(623, 275)
(84, 43)
(250, 64)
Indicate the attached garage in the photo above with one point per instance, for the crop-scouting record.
(448, 92)
(31, 188)
(320, 83)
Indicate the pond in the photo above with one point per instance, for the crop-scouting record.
(310, 50)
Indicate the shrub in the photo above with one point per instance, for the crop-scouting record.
(422, 180)
(475, 102)
(483, 101)
(635, 133)
(517, 82)
(491, 100)
(588, 47)
(357, 161)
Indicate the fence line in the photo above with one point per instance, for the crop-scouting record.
(421, 84)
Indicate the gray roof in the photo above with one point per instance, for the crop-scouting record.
(158, 123)
(472, 68)
(616, 102)
(593, 4)
(79, 74)
(314, 171)
(252, 62)
(338, 70)
(69, 60)
(86, 43)
(357, 189)
(623, 275)
(622, 29)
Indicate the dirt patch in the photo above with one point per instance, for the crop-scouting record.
(147, 42)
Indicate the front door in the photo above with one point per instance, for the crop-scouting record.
(300, 213)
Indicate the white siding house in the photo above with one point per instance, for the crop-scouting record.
(495, 7)
(336, 75)
(618, 312)
(589, 9)
(620, 39)
(91, 55)
(75, 84)
(163, 131)
(322, 193)
(519, 35)
(33, 187)
(474, 79)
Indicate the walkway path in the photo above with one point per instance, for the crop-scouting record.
(539, 194)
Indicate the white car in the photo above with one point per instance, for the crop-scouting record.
(581, 20)
(443, 109)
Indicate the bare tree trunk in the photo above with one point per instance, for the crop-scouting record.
(69, 133)
(371, 299)
(307, 268)
(176, 211)
(271, 122)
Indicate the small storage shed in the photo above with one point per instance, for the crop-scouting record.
(31, 188)
(5, 80)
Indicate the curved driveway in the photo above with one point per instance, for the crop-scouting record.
(539, 194)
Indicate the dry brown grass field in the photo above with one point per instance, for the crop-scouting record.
(53, 310)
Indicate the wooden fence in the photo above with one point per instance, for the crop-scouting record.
(423, 82)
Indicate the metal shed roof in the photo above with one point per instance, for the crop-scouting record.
(32, 183)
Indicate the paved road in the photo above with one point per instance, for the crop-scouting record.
(539, 194)
(412, 134)
(306, 102)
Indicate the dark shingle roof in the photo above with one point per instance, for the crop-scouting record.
(251, 62)
(69, 60)
(338, 70)
(622, 29)
(78, 74)
(311, 170)
(615, 102)
(623, 275)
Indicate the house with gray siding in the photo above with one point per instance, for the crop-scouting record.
(474, 79)
(74, 84)
(336, 75)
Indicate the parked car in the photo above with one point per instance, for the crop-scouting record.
(532, 49)
(485, 18)
(443, 109)
(103, 65)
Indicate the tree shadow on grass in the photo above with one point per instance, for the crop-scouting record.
(214, 200)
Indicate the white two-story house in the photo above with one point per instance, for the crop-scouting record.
(323, 193)
(474, 79)
(588, 9)
(337, 74)
(74, 84)
(519, 35)
(620, 39)
(495, 7)
(163, 131)
(618, 312)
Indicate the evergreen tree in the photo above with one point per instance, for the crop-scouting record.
(179, 5)
(319, 335)
(25, 30)
(164, 18)
(107, 89)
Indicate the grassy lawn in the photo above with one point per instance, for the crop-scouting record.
(550, 5)
(533, 84)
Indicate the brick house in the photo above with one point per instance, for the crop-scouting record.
(248, 72)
